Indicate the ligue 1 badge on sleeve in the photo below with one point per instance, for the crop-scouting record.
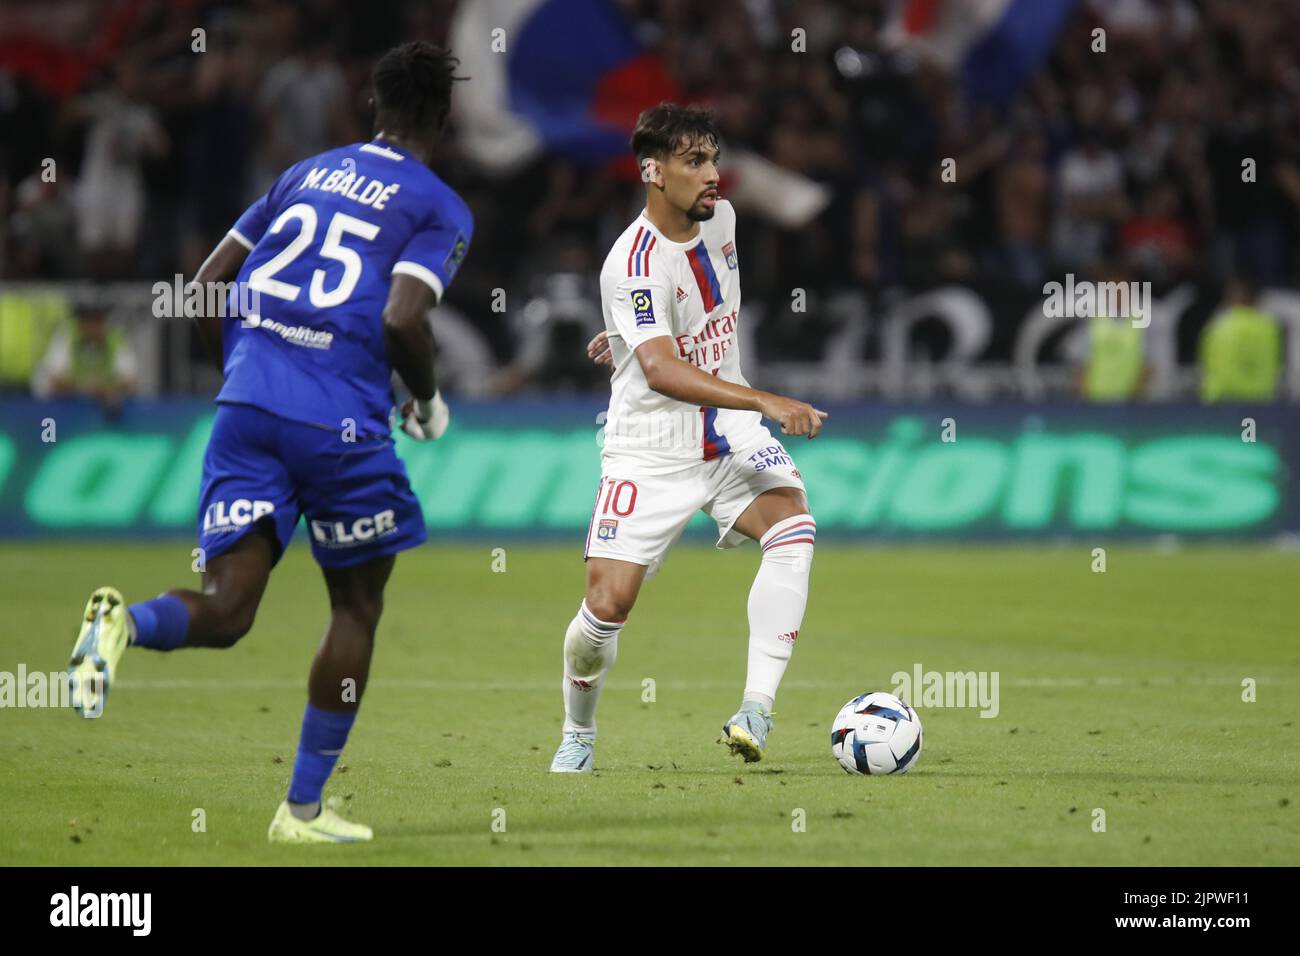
(729, 250)
(456, 256)
(643, 307)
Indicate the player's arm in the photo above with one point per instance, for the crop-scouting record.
(423, 271)
(408, 339)
(408, 335)
(222, 265)
(639, 308)
(225, 261)
(669, 375)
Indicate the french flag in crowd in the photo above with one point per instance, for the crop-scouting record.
(995, 46)
(568, 78)
(565, 77)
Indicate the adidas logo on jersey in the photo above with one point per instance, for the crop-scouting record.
(682, 294)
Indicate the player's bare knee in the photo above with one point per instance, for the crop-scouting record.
(231, 623)
(607, 604)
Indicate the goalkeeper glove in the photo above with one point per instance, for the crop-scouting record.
(425, 420)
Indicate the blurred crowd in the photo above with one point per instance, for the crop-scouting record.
(1129, 162)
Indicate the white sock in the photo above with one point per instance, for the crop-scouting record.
(590, 646)
(776, 604)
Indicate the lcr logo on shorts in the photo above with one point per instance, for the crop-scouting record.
(219, 518)
(338, 534)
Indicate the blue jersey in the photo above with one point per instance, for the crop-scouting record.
(304, 339)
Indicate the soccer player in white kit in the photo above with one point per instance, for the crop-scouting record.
(684, 432)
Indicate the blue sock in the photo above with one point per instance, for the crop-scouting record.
(324, 732)
(161, 623)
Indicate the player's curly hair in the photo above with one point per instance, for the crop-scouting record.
(669, 128)
(412, 85)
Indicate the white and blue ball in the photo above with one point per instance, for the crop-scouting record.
(875, 734)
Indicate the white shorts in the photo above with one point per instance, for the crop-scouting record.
(638, 517)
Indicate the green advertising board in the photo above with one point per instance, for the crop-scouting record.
(528, 468)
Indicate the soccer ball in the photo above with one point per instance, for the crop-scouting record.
(876, 733)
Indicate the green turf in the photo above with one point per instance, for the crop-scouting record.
(1119, 691)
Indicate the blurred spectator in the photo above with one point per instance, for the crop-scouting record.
(1116, 366)
(111, 193)
(1023, 184)
(91, 357)
(556, 321)
(217, 152)
(28, 321)
(1241, 349)
(300, 102)
(43, 228)
(1157, 240)
(1143, 18)
(1116, 369)
(1090, 190)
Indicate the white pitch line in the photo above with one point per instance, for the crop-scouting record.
(473, 685)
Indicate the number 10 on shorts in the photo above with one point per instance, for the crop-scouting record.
(619, 499)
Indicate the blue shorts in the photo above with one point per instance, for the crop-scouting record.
(261, 469)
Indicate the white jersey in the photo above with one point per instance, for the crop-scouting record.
(689, 291)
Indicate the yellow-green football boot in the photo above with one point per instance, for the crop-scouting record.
(105, 634)
(746, 732)
(326, 827)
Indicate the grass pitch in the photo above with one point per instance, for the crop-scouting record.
(1119, 691)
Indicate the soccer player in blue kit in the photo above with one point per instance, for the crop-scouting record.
(344, 257)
